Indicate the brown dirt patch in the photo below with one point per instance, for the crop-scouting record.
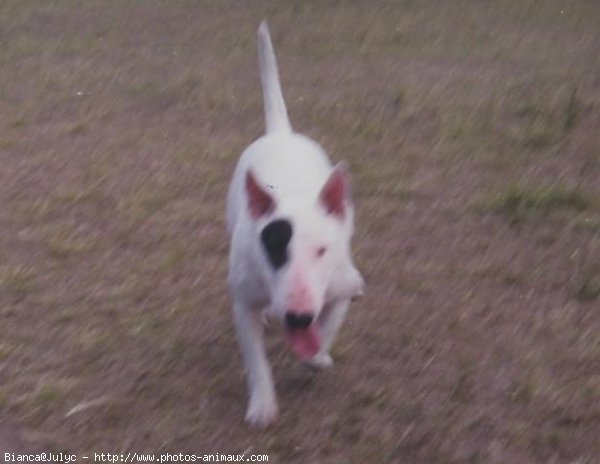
(472, 133)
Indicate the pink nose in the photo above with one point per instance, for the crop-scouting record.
(298, 320)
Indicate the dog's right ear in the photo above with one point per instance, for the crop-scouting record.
(259, 201)
(336, 191)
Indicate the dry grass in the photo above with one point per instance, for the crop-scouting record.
(471, 129)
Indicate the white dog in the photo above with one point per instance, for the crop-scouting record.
(290, 219)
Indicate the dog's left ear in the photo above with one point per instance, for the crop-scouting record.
(336, 191)
(260, 202)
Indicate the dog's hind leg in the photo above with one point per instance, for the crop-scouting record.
(330, 322)
(262, 408)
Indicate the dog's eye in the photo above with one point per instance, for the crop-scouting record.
(321, 251)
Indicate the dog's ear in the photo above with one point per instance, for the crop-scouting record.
(336, 191)
(259, 201)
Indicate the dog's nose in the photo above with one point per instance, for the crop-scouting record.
(298, 320)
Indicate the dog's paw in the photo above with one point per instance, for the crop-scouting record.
(320, 361)
(262, 410)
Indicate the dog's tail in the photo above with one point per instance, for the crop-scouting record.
(275, 111)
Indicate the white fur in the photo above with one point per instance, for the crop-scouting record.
(293, 170)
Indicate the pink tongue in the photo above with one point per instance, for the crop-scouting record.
(304, 342)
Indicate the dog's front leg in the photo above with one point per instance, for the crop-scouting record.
(330, 322)
(262, 408)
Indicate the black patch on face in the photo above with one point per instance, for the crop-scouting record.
(276, 237)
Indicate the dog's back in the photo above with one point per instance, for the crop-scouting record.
(289, 164)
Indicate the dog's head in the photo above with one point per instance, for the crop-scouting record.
(303, 252)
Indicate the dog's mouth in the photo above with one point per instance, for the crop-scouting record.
(304, 342)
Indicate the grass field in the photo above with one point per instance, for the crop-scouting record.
(472, 130)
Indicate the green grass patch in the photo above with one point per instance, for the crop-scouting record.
(5, 350)
(17, 281)
(540, 115)
(5, 144)
(46, 395)
(64, 244)
(588, 288)
(520, 201)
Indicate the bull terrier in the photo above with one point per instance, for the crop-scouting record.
(290, 220)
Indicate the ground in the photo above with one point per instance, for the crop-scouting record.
(472, 131)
